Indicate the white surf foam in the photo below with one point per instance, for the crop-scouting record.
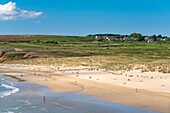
(9, 90)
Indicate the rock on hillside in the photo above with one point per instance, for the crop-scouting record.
(7, 56)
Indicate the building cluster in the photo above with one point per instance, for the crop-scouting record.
(127, 38)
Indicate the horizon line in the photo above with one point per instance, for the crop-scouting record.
(20, 34)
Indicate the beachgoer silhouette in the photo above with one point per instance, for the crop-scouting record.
(43, 99)
(136, 90)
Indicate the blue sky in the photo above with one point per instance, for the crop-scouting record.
(83, 17)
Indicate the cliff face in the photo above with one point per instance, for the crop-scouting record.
(1, 55)
(15, 55)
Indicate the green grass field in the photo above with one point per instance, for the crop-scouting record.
(106, 55)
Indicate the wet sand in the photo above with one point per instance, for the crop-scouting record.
(80, 80)
(29, 99)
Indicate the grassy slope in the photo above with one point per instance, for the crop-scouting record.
(86, 51)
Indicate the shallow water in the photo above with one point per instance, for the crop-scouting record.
(29, 100)
(7, 88)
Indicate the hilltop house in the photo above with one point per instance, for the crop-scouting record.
(109, 38)
(147, 39)
(127, 38)
(161, 39)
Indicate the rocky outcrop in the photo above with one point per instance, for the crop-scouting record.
(2, 53)
(7, 56)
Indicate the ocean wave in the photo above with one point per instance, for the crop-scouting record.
(8, 90)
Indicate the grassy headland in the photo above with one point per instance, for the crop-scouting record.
(76, 50)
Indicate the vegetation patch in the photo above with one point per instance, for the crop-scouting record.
(87, 51)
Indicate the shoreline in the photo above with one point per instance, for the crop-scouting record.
(61, 81)
(30, 96)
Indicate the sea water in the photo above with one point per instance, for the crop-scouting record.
(6, 90)
(24, 97)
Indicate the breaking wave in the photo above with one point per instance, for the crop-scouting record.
(6, 90)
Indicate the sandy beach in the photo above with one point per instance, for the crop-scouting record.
(150, 90)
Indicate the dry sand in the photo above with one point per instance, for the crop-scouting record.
(149, 90)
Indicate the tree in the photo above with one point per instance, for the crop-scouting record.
(136, 35)
(154, 37)
(141, 38)
(159, 36)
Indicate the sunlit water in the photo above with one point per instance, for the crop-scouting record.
(23, 97)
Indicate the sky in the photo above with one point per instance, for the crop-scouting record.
(84, 17)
